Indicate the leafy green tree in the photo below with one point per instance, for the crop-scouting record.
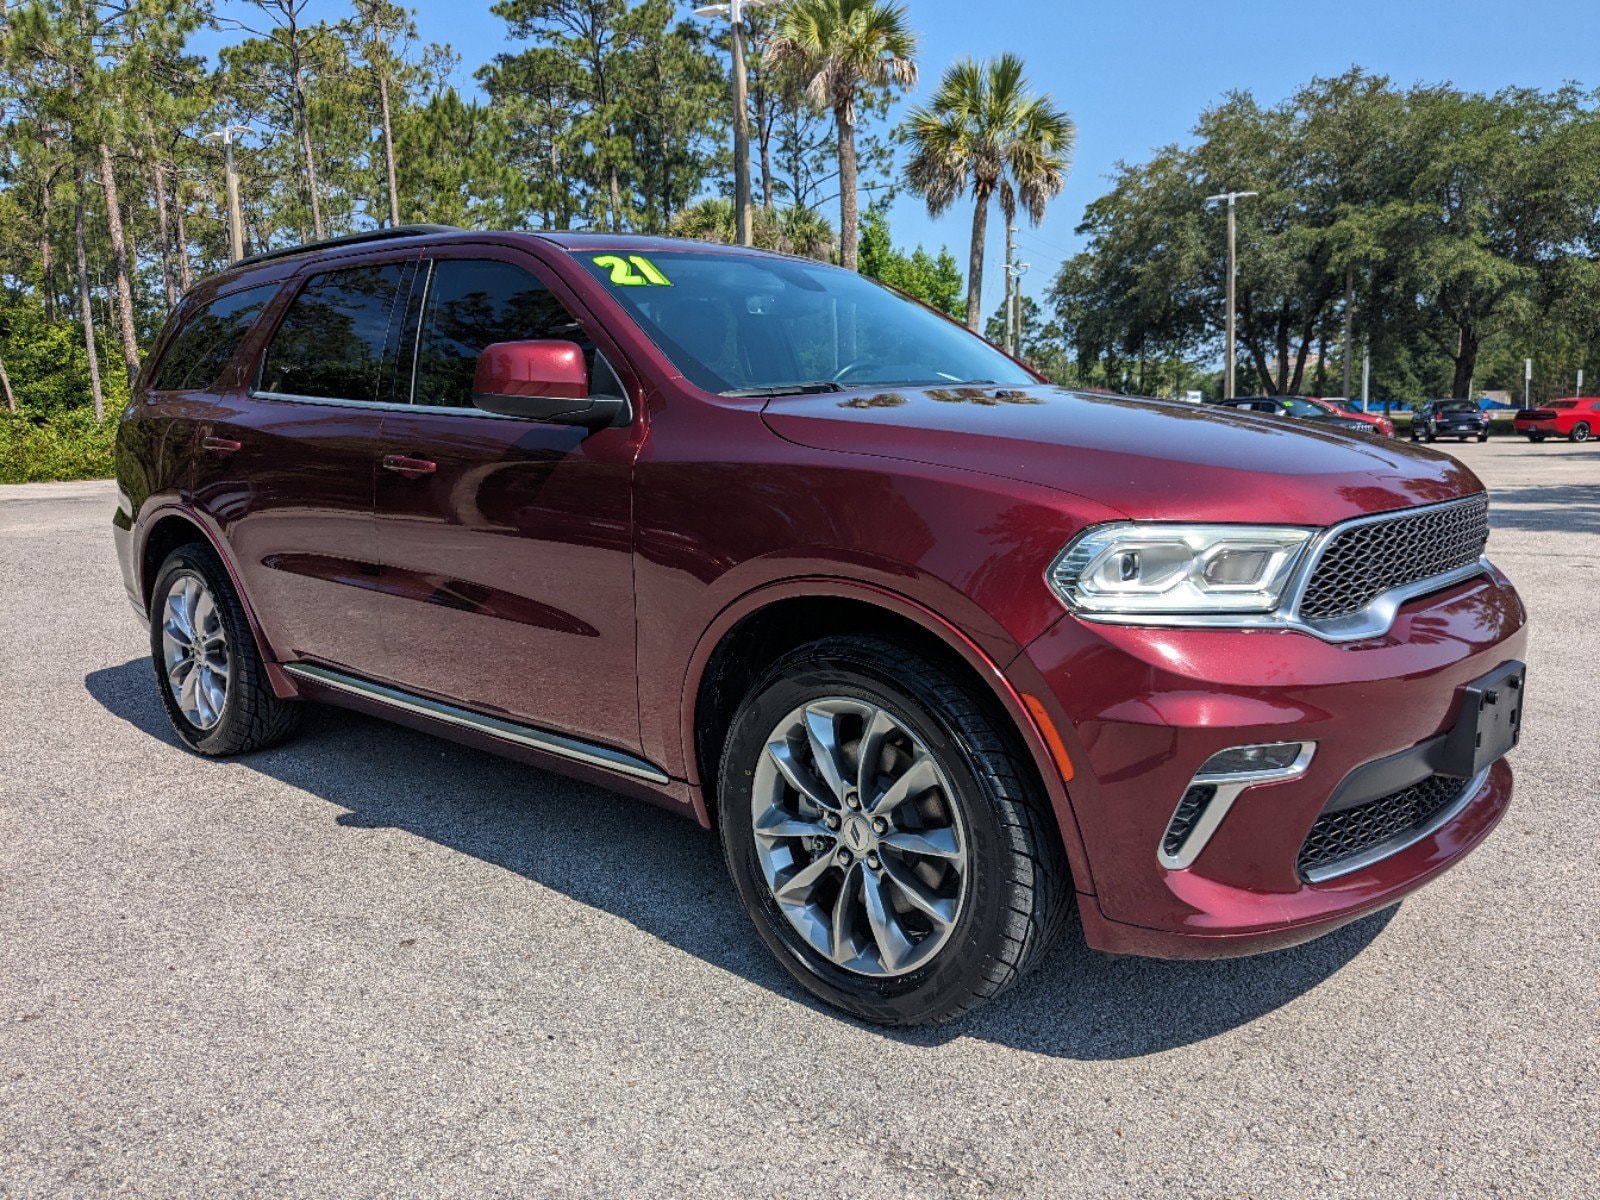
(986, 131)
(843, 48)
(933, 279)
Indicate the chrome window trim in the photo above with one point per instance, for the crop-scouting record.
(1229, 788)
(1395, 845)
(387, 405)
(523, 735)
(1374, 620)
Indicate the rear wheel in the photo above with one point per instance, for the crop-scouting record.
(1483, 437)
(1580, 432)
(891, 846)
(1536, 437)
(209, 671)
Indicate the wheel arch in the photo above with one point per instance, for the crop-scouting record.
(175, 525)
(750, 634)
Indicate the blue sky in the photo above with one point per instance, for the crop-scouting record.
(1134, 74)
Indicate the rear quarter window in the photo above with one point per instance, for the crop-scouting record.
(208, 338)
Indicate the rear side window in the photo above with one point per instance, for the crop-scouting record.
(474, 303)
(331, 343)
(207, 340)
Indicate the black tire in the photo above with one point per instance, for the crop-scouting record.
(1018, 886)
(252, 716)
(1432, 437)
(1483, 437)
(1580, 432)
(1536, 438)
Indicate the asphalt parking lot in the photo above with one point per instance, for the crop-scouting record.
(371, 963)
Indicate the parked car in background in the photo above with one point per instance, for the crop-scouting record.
(1462, 419)
(1575, 418)
(949, 657)
(1342, 407)
(1302, 407)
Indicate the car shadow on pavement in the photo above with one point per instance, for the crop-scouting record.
(1547, 508)
(665, 876)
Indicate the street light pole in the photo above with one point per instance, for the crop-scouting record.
(235, 213)
(1227, 365)
(743, 210)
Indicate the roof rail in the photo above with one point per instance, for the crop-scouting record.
(349, 239)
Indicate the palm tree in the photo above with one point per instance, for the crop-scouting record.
(841, 47)
(793, 230)
(986, 130)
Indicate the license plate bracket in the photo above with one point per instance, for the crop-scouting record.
(1489, 724)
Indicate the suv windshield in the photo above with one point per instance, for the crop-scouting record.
(752, 325)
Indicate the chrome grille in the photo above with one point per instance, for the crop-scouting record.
(1341, 835)
(1362, 562)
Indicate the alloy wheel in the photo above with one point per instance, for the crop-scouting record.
(858, 836)
(194, 651)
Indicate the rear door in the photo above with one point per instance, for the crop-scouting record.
(287, 463)
(506, 544)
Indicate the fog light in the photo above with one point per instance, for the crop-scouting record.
(1214, 788)
(1275, 756)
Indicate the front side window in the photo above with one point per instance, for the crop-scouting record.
(208, 338)
(474, 303)
(331, 343)
(750, 324)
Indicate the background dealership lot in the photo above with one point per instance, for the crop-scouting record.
(371, 962)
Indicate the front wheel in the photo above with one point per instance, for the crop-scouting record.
(885, 835)
(1580, 433)
(209, 671)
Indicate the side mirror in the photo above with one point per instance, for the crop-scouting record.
(540, 381)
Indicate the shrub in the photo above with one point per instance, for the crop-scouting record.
(70, 445)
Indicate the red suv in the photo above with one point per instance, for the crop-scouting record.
(1574, 419)
(946, 654)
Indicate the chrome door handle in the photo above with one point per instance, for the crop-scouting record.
(220, 445)
(411, 468)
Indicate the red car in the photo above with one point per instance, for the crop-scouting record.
(951, 658)
(1339, 406)
(1575, 419)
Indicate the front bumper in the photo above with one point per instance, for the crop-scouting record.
(1141, 709)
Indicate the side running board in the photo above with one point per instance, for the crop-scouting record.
(506, 731)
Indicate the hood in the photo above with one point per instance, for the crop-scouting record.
(1150, 459)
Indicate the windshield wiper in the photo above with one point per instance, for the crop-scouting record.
(788, 389)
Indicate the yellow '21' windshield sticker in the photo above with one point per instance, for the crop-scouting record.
(634, 271)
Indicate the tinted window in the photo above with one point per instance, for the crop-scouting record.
(199, 351)
(742, 323)
(331, 342)
(475, 303)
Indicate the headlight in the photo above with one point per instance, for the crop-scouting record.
(1146, 569)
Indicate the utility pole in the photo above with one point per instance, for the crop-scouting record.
(1015, 270)
(1227, 365)
(1366, 377)
(1011, 282)
(1349, 325)
(743, 213)
(225, 135)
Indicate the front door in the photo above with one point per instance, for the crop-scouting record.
(506, 544)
